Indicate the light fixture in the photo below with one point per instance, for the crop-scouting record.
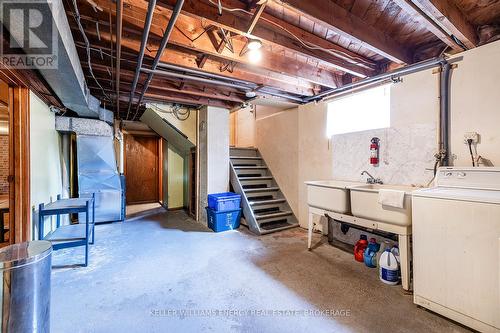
(254, 56)
(250, 94)
(254, 44)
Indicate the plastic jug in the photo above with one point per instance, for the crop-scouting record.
(360, 247)
(384, 245)
(370, 254)
(389, 268)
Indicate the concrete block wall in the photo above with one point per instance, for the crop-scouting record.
(4, 164)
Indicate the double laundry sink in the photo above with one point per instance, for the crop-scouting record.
(361, 200)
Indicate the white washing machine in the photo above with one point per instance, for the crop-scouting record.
(456, 246)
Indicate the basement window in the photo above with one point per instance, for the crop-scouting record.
(365, 110)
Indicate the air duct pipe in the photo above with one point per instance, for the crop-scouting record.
(67, 80)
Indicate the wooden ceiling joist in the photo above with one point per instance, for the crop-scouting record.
(446, 14)
(131, 40)
(181, 58)
(176, 57)
(189, 33)
(421, 18)
(328, 13)
(276, 32)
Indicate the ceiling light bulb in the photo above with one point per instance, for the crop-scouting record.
(254, 44)
(254, 56)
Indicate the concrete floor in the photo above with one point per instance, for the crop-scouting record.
(162, 272)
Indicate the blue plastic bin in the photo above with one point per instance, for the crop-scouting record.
(223, 221)
(224, 202)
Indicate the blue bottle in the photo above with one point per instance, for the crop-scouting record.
(370, 255)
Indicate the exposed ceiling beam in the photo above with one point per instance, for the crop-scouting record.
(446, 14)
(189, 33)
(276, 32)
(421, 18)
(259, 76)
(180, 58)
(336, 18)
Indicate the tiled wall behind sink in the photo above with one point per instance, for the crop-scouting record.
(405, 153)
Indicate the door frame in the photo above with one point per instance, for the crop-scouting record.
(126, 136)
(19, 159)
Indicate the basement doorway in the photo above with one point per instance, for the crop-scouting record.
(143, 168)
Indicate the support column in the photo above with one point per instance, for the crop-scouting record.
(213, 155)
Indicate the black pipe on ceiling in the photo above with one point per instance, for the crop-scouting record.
(144, 40)
(166, 36)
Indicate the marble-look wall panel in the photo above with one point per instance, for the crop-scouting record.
(405, 154)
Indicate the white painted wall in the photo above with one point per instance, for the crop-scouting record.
(475, 103)
(218, 149)
(213, 154)
(45, 164)
(245, 127)
(278, 146)
(175, 180)
(407, 148)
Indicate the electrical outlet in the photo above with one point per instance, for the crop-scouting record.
(474, 136)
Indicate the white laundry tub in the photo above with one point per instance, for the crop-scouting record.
(364, 204)
(331, 195)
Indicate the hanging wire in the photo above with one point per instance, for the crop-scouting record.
(76, 14)
(178, 111)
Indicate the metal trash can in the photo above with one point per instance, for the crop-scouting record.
(25, 287)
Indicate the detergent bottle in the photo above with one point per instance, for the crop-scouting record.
(389, 268)
(359, 248)
(370, 254)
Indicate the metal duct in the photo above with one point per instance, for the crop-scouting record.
(68, 80)
(97, 173)
(167, 131)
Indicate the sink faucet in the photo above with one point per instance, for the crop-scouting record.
(371, 179)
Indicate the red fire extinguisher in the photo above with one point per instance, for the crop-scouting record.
(374, 149)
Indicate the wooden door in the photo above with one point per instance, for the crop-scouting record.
(142, 168)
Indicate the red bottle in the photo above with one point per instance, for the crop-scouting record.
(360, 247)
